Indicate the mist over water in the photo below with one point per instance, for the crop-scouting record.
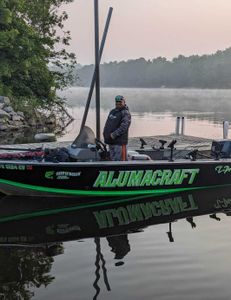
(154, 111)
(158, 100)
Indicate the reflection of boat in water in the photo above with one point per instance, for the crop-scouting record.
(56, 220)
(32, 232)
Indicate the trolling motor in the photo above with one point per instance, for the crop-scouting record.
(171, 146)
(162, 142)
(143, 143)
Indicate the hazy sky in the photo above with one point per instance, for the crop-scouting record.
(151, 28)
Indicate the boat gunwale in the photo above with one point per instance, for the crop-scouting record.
(116, 163)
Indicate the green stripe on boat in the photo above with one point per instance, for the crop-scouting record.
(102, 193)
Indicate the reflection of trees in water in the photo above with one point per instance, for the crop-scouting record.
(24, 269)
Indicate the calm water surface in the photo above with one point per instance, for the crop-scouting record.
(171, 247)
(167, 247)
(154, 111)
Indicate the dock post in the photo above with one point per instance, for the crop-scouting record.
(182, 125)
(177, 125)
(225, 129)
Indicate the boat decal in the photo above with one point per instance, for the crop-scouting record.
(16, 167)
(116, 193)
(223, 169)
(61, 175)
(143, 178)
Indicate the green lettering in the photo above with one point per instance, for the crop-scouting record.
(175, 177)
(135, 178)
(166, 177)
(156, 180)
(146, 181)
(123, 178)
(194, 172)
(110, 181)
(101, 179)
(184, 174)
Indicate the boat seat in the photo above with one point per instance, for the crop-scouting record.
(134, 155)
(82, 154)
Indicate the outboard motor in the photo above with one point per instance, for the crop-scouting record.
(221, 148)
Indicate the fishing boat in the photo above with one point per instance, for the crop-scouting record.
(89, 174)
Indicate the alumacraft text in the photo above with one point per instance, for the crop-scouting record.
(142, 178)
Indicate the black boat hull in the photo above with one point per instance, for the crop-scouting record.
(99, 179)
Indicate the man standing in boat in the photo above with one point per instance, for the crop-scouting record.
(116, 129)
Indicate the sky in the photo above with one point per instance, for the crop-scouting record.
(150, 28)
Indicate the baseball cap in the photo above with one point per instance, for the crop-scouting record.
(119, 98)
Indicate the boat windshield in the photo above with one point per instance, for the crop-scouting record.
(85, 137)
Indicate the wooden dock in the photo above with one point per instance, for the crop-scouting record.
(183, 141)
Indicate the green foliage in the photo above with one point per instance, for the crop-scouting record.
(207, 71)
(28, 39)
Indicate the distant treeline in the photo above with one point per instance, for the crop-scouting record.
(206, 71)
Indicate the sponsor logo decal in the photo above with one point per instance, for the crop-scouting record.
(145, 178)
(223, 169)
(61, 175)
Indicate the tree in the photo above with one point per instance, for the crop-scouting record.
(28, 39)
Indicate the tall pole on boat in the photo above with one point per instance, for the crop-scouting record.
(97, 73)
(93, 78)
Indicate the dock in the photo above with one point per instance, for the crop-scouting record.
(183, 141)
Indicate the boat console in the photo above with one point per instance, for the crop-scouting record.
(221, 148)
